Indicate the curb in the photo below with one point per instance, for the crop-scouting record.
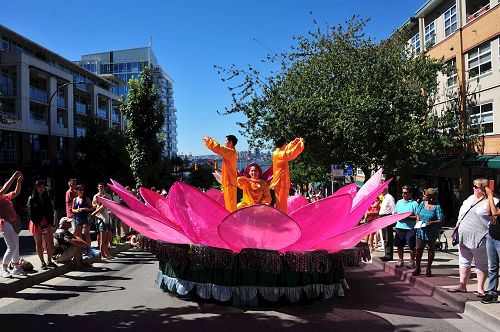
(37, 278)
(465, 303)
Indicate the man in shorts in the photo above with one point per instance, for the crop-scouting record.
(405, 228)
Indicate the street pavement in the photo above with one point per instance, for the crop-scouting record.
(121, 295)
(445, 275)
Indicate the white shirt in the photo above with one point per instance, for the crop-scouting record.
(388, 205)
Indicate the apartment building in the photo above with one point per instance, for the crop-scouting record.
(466, 34)
(46, 99)
(128, 63)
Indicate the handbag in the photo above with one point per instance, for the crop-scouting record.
(454, 236)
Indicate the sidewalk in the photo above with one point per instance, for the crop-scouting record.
(445, 275)
(37, 276)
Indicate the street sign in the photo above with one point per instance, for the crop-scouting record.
(336, 171)
(348, 170)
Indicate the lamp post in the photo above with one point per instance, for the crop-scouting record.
(51, 164)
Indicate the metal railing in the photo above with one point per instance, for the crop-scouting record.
(38, 95)
(8, 90)
(8, 156)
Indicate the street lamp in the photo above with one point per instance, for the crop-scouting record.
(51, 164)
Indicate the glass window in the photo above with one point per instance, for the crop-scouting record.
(450, 21)
(430, 35)
(482, 115)
(479, 60)
(452, 73)
(415, 43)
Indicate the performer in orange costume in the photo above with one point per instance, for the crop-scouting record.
(281, 172)
(255, 190)
(229, 175)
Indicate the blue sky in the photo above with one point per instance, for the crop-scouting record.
(189, 37)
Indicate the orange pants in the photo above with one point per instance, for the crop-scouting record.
(281, 194)
(230, 197)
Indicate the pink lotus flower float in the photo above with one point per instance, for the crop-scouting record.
(254, 253)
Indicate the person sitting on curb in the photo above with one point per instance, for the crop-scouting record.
(66, 244)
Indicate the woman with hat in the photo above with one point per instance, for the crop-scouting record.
(429, 217)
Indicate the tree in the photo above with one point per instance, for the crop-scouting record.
(354, 101)
(144, 111)
(103, 155)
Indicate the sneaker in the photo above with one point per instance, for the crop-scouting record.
(400, 264)
(489, 298)
(6, 274)
(44, 266)
(18, 271)
(411, 265)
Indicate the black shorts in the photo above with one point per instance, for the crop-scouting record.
(405, 237)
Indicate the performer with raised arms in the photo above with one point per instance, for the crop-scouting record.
(229, 173)
(255, 190)
(281, 172)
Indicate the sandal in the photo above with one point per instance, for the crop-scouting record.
(456, 290)
(478, 294)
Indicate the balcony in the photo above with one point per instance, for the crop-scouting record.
(61, 102)
(81, 108)
(38, 94)
(80, 132)
(101, 113)
(8, 90)
(479, 12)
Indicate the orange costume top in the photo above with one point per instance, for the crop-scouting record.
(281, 156)
(254, 192)
(229, 159)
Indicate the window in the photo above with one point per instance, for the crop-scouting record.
(452, 73)
(482, 115)
(450, 21)
(430, 34)
(479, 60)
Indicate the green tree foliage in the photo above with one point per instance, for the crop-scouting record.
(144, 111)
(103, 155)
(353, 100)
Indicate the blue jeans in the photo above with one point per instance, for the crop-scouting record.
(493, 250)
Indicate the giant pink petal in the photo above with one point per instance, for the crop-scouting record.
(135, 204)
(160, 204)
(367, 188)
(117, 184)
(145, 225)
(352, 237)
(320, 220)
(361, 207)
(259, 226)
(296, 202)
(197, 214)
(350, 189)
(216, 195)
(267, 175)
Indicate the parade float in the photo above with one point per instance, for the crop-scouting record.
(256, 254)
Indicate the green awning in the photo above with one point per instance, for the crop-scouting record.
(485, 161)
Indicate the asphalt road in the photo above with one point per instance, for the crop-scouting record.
(121, 295)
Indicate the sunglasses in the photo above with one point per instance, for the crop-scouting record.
(476, 187)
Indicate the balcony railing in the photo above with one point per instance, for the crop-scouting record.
(8, 90)
(38, 95)
(38, 121)
(81, 108)
(478, 13)
(101, 113)
(61, 102)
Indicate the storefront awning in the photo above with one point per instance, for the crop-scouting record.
(485, 162)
